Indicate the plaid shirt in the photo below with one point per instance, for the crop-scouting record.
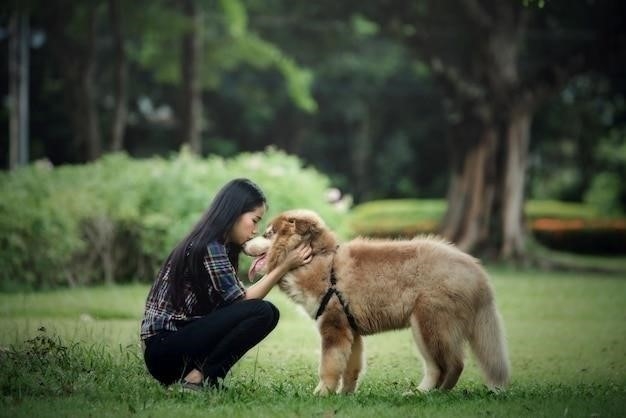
(223, 285)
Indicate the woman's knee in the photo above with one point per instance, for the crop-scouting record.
(267, 311)
(275, 312)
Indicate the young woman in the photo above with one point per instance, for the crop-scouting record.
(199, 319)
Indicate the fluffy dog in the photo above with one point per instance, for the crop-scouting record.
(367, 286)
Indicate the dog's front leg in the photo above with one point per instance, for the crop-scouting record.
(355, 365)
(336, 347)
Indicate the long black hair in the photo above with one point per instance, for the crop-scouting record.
(234, 199)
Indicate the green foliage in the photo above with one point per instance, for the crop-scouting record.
(228, 44)
(116, 219)
(534, 3)
(37, 235)
(236, 17)
(260, 54)
(608, 189)
(583, 159)
(605, 192)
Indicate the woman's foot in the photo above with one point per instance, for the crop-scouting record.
(193, 382)
(186, 386)
(194, 376)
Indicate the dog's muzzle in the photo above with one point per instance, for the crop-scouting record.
(256, 247)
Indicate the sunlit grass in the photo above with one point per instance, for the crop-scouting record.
(566, 336)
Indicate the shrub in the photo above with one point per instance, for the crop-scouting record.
(116, 219)
(37, 234)
(559, 225)
(396, 217)
(605, 192)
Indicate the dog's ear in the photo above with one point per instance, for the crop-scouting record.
(306, 227)
(283, 226)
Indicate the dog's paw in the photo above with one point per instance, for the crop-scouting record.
(347, 389)
(408, 393)
(413, 392)
(321, 390)
(422, 389)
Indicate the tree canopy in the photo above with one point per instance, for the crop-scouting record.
(489, 104)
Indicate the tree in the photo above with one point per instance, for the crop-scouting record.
(19, 47)
(120, 109)
(215, 39)
(190, 68)
(73, 38)
(475, 49)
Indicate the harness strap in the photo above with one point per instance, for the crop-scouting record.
(329, 294)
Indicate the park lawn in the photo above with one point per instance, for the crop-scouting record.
(566, 334)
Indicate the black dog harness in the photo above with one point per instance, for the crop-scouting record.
(332, 290)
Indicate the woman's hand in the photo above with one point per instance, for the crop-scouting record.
(299, 256)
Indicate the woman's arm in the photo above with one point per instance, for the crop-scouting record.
(296, 258)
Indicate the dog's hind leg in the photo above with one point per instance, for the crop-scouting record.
(453, 359)
(337, 341)
(354, 366)
(441, 345)
(432, 372)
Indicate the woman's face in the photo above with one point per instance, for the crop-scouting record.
(246, 226)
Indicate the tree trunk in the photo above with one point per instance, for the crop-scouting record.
(517, 140)
(486, 195)
(77, 65)
(191, 100)
(89, 126)
(120, 111)
(14, 83)
(18, 89)
(361, 156)
(472, 190)
(486, 192)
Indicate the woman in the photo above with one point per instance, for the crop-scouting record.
(199, 319)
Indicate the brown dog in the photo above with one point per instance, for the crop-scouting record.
(367, 286)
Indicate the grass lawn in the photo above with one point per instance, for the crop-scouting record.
(75, 353)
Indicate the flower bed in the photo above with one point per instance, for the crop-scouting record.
(581, 235)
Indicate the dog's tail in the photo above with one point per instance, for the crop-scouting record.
(489, 345)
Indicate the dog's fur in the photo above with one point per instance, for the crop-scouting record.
(426, 284)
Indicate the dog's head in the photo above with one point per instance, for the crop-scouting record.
(284, 233)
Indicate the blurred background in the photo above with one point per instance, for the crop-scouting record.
(500, 125)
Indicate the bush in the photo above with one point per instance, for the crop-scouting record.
(605, 192)
(397, 217)
(559, 225)
(116, 219)
(37, 234)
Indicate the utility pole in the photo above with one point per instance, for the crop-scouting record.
(19, 49)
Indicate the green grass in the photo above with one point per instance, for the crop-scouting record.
(566, 334)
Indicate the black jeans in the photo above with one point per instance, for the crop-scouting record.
(211, 344)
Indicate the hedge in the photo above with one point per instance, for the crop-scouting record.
(116, 219)
(559, 225)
